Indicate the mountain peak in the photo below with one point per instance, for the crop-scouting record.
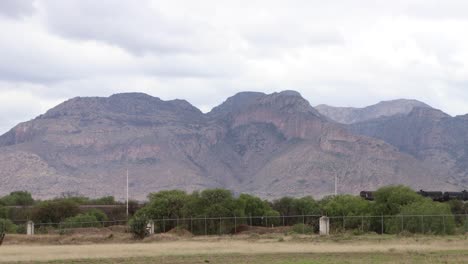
(236, 103)
(288, 102)
(350, 115)
(122, 103)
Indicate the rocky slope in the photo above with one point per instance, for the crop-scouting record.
(433, 137)
(269, 145)
(350, 115)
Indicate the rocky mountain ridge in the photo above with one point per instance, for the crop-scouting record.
(351, 115)
(270, 145)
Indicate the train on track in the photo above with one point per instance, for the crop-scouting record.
(435, 196)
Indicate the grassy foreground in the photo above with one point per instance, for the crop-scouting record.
(276, 249)
(314, 258)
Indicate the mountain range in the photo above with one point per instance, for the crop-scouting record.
(270, 145)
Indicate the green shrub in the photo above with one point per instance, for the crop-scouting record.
(138, 226)
(7, 226)
(81, 220)
(4, 212)
(98, 214)
(303, 229)
(410, 219)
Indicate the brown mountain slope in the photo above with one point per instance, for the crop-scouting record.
(269, 145)
(437, 139)
(350, 115)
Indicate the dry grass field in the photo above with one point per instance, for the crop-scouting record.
(236, 249)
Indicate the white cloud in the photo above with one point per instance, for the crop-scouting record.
(351, 53)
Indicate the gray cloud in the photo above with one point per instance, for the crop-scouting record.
(349, 53)
(16, 8)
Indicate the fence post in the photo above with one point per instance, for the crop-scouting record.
(382, 230)
(266, 221)
(250, 219)
(303, 225)
(445, 230)
(164, 224)
(191, 225)
(235, 224)
(220, 226)
(362, 223)
(402, 226)
(30, 228)
(283, 221)
(422, 224)
(206, 228)
(150, 227)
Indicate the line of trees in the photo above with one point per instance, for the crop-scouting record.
(389, 201)
(214, 203)
(63, 211)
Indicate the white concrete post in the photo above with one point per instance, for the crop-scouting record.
(30, 228)
(150, 227)
(324, 226)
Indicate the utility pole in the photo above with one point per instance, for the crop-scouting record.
(127, 193)
(336, 185)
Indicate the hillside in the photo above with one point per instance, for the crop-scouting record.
(435, 138)
(270, 145)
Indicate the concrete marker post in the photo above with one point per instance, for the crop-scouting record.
(324, 226)
(30, 228)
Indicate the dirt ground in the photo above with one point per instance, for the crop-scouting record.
(121, 246)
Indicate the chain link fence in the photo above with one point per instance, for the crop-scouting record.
(300, 224)
(309, 224)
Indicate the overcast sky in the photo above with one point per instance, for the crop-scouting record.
(343, 53)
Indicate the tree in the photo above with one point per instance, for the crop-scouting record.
(165, 204)
(21, 198)
(306, 206)
(54, 211)
(285, 206)
(389, 200)
(220, 203)
(253, 206)
(346, 205)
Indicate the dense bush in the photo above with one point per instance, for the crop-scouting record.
(54, 211)
(409, 219)
(138, 226)
(4, 212)
(81, 220)
(98, 214)
(7, 226)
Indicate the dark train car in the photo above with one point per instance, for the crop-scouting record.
(435, 196)
(453, 196)
(367, 195)
(465, 195)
